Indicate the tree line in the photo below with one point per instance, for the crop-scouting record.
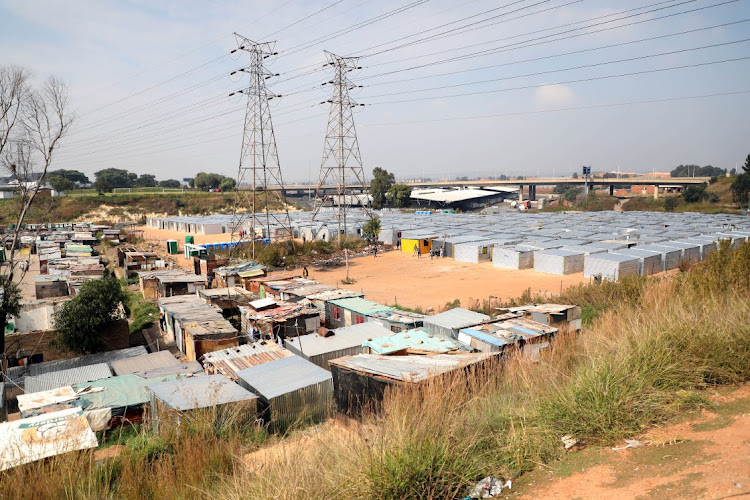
(107, 179)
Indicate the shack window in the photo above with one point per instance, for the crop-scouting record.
(336, 312)
(358, 319)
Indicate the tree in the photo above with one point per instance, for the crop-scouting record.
(10, 302)
(400, 195)
(102, 186)
(568, 193)
(81, 322)
(371, 229)
(575, 175)
(741, 188)
(208, 182)
(146, 180)
(116, 178)
(382, 182)
(33, 121)
(61, 184)
(79, 178)
(170, 183)
(227, 184)
(697, 171)
(670, 204)
(697, 194)
(746, 166)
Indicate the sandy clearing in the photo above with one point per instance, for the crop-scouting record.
(396, 277)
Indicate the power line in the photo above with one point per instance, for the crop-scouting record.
(438, 27)
(545, 111)
(581, 80)
(535, 59)
(546, 39)
(303, 19)
(572, 68)
(336, 34)
(462, 29)
(130, 96)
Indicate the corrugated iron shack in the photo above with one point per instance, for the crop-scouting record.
(352, 311)
(340, 342)
(291, 391)
(271, 319)
(197, 327)
(238, 275)
(144, 363)
(359, 381)
(173, 401)
(172, 285)
(414, 341)
(228, 362)
(149, 281)
(450, 322)
(564, 317)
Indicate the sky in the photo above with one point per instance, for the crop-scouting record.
(449, 87)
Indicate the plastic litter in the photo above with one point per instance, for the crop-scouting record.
(489, 487)
(569, 441)
(630, 443)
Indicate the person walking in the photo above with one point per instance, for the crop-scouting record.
(305, 272)
(375, 251)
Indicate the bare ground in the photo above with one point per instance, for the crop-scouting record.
(704, 455)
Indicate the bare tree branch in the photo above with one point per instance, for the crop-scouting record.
(13, 94)
(46, 118)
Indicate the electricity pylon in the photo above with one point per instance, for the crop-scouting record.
(341, 159)
(259, 159)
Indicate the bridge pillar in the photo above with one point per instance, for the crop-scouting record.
(656, 191)
(532, 192)
(520, 192)
(611, 189)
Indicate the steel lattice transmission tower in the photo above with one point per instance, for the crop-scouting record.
(259, 158)
(341, 161)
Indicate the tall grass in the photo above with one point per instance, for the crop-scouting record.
(654, 347)
(186, 464)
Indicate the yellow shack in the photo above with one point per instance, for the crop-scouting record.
(423, 241)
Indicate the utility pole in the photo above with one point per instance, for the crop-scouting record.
(341, 159)
(259, 159)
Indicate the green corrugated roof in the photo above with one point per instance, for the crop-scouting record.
(416, 339)
(360, 305)
(120, 391)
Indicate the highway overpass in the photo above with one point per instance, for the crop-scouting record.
(301, 190)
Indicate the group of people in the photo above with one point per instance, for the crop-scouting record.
(434, 252)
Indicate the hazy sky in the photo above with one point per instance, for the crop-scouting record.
(149, 82)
